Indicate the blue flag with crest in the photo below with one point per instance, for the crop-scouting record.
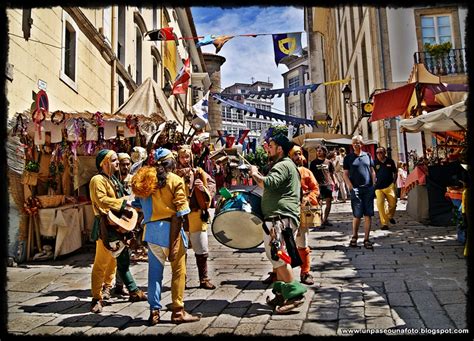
(286, 44)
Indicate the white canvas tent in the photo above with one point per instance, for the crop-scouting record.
(149, 101)
(450, 118)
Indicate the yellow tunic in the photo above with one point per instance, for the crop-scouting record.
(195, 222)
(103, 195)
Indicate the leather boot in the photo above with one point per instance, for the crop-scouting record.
(204, 282)
(96, 306)
(179, 315)
(272, 277)
(137, 296)
(120, 290)
(106, 293)
(154, 318)
(305, 255)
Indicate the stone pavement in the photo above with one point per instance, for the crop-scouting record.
(416, 277)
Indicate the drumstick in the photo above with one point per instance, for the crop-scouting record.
(245, 160)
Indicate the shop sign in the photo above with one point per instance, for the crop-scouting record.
(42, 85)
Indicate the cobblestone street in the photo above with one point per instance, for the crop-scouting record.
(414, 278)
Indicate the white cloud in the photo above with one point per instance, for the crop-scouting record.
(248, 57)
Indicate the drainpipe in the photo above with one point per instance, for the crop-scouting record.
(113, 78)
(383, 72)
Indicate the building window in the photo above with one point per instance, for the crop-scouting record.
(293, 82)
(121, 35)
(155, 70)
(138, 56)
(69, 52)
(437, 25)
(121, 93)
(155, 17)
(107, 19)
(436, 29)
(293, 109)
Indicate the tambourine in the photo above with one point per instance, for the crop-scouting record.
(59, 120)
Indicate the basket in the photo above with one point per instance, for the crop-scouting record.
(310, 216)
(50, 201)
(29, 178)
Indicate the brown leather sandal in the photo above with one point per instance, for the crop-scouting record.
(368, 244)
(353, 242)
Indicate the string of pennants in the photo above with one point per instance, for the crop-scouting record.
(275, 92)
(284, 44)
(260, 112)
(287, 91)
(200, 109)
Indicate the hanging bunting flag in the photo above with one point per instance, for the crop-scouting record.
(290, 119)
(162, 34)
(286, 44)
(181, 83)
(347, 80)
(220, 41)
(242, 135)
(229, 141)
(201, 112)
(209, 39)
(271, 93)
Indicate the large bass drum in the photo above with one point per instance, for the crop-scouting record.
(238, 220)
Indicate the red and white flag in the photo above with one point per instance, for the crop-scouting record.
(181, 83)
(161, 34)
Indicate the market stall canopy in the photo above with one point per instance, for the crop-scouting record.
(453, 117)
(419, 74)
(149, 101)
(392, 103)
(433, 95)
(396, 102)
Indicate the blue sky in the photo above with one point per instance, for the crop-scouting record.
(248, 57)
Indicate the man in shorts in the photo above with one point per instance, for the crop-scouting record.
(359, 175)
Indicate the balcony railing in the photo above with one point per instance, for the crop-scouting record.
(454, 62)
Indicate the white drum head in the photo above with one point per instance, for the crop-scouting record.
(238, 229)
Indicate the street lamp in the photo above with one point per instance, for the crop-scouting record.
(363, 109)
(168, 90)
(328, 119)
(346, 93)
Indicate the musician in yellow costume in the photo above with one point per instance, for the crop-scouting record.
(111, 252)
(162, 197)
(199, 202)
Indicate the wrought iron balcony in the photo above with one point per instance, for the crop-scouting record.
(454, 62)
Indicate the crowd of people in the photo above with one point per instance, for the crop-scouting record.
(173, 196)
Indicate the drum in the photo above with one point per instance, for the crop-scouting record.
(238, 220)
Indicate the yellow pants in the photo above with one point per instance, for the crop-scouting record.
(103, 270)
(390, 194)
(156, 263)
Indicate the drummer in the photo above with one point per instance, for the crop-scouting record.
(310, 191)
(281, 209)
